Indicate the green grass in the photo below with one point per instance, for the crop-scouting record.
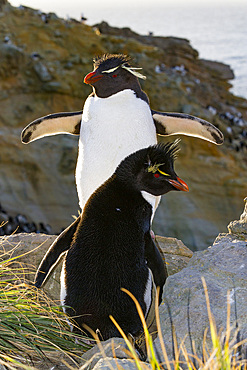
(32, 327)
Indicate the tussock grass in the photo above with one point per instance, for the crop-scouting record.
(32, 327)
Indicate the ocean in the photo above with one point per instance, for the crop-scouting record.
(217, 32)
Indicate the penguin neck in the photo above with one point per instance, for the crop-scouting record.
(124, 195)
(150, 198)
(128, 180)
(136, 89)
(140, 196)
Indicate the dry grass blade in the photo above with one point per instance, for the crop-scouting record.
(31, 325)
(132, 350)
(162, 344)
(148, 338)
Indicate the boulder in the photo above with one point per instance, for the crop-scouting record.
(221, 69)
(111, 354)
(2, 3)
(223, 266)
(240, 226)
(26, 251)
(176, 254)
(115, 347)
(115, 363)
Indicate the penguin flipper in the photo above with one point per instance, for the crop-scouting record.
(60, 245)
(155, 263)
(53, 124)
(185, 124)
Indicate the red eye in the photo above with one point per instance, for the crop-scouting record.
(156, 175)
(114, 76)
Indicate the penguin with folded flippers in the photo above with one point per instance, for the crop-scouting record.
(106, 250)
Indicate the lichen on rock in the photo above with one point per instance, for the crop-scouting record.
(240, 226)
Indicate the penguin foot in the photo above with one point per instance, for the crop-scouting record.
(152, 234)
(82, 342)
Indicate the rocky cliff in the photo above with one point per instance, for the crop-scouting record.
(43, 60)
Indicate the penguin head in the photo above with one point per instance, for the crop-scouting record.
(112, 73)
(152, 169)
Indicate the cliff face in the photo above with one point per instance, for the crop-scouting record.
(43, 60)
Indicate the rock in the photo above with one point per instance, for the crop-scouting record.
(11, 58)
(16, 224)
(224, 268)
(30, 249)
(221, 69)
(176, 254)
(177, 47)
(42, 72)
(3, 217)
(239, 227)
(111, 355)
(113, 363)
(95, 354)
(2, 3)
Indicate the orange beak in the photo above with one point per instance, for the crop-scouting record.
(179, 184)
(92, 77)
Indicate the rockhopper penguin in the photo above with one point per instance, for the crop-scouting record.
(106, 250)
(116, 121)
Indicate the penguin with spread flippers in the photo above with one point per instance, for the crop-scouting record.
(106, 246)
(116, 121)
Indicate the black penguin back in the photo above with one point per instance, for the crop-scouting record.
(110, 244)
(107, 254)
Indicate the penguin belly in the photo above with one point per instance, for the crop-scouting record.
(63, 292)
(111, 129)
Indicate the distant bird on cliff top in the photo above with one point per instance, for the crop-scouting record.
(99, 263)
(116, 121)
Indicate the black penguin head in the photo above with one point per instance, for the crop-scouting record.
(152, 169)
(112, 73)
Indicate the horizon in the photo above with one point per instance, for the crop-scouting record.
(75, 7)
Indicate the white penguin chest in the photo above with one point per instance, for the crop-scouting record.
(111, 129)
